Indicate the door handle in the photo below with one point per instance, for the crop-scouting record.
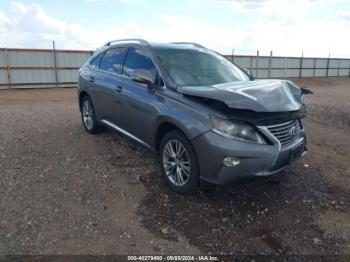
(119, 89)
(91, 79)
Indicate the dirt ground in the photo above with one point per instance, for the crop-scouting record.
(64, 191)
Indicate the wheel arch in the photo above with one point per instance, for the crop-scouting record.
(82, 94)
(193, 183)
(165, 127)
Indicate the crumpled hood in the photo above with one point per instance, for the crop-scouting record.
(257, 95)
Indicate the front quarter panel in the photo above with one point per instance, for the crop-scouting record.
(179, 112)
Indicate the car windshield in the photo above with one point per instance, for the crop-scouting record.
(190, 67)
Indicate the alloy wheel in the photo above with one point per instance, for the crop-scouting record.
(88, 115)
(176, 162)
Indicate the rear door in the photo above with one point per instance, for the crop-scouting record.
(87, 79)
(107, 80)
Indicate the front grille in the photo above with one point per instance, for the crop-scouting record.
(286, 132)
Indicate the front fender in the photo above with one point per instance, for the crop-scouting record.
(191, 126)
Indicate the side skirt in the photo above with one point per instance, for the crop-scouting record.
(122, 131)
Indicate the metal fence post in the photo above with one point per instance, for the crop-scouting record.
(285, 66)
(55, 62)
(338, 67)
(314, 71)
(251, 65)
(257, 64)
(233, 54)
(270, 63)
(301, 64)
(8, 67)
(329, 57)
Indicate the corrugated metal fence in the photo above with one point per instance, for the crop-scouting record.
(31, 68)
(286, 67)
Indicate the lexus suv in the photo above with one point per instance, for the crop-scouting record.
(207, 119)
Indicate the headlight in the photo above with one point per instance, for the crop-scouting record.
(238, 131)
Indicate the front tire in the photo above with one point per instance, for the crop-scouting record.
(88, 116)
(179, 163)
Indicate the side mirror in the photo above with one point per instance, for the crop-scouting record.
(305, 91)
(144, 77)
(247, 71)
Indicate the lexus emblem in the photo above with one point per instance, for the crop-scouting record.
(293, 131)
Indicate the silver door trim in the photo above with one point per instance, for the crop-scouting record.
(117, 128)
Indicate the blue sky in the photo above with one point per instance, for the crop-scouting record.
(287, 27)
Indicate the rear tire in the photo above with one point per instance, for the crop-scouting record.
(88, 116)
(179, 163)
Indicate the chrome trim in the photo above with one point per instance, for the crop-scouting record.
(117, 128)
(281, 124)
(304, 153)
(298, 139)
(282, 131)
(189, 43)
(130, 40)
(266, 132)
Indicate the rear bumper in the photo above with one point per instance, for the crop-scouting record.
(255, 159)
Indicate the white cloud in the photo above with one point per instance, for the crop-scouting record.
(275, 5)
(30, 26)
(283, 28)
(4, 21)
(315, 38)
(345, 15)
(183, 28)
(98, 1)
(246, 4)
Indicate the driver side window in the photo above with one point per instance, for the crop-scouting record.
(137, 59)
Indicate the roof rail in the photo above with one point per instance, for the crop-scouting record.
(188, 43)
(141, 41)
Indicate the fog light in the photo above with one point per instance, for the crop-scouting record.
(231, 161)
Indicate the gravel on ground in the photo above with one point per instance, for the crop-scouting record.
(64, 191)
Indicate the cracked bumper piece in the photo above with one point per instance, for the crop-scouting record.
(254, 159)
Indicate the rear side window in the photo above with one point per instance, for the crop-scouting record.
(95, 63)
(112, 60)
(137, 59)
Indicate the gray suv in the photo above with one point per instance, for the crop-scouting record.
(206, 118)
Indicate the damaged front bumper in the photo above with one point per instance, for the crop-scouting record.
(254, 159)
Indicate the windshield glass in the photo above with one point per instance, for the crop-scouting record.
(189, 67)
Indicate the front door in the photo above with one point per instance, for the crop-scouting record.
(142, 103)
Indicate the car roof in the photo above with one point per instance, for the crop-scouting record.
(153, 45)
(176, 46)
